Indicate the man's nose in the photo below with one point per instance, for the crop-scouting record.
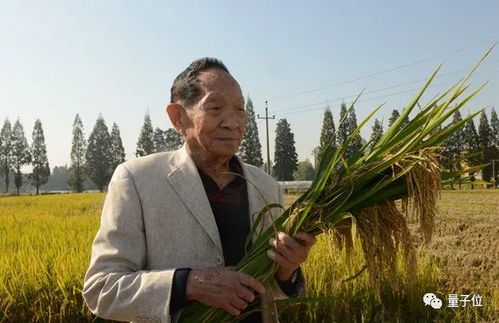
(232, 120)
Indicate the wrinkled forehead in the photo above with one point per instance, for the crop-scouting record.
(218, 84)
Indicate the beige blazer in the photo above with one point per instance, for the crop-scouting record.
(156, 218)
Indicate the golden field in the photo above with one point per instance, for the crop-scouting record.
(45, 249)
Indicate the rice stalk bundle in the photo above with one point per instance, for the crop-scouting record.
(363, 189)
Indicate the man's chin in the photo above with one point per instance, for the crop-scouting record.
(225, 151)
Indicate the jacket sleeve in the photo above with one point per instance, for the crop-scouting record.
(277, 292)
(116, 286)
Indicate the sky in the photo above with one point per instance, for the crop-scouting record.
(119, 59)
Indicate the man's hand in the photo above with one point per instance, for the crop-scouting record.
(290, 253)
(222, 288)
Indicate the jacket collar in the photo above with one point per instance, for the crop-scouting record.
(186, 181)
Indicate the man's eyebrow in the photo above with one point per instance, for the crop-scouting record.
(211, 98)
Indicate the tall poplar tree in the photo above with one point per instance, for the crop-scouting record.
(471, 145)
(251, 149)
(78, 151)
(20, 153)
(6, 152)
(285, 156)
(98, 161)
(356, 143)
(41, 170)
(348, 123)
(343, 127)
(145, 144)
(453, 147)
(485, 142)
(376, 132)
(494, 126)
(117, 149)
(328, 135)
(159, 140)
(394, 116)
(173, 140)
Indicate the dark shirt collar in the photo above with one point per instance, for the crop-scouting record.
(234, 166)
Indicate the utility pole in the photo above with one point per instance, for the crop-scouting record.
(267, 128)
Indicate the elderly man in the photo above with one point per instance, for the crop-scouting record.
(174, 224)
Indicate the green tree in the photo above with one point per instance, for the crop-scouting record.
(117, 150)
(494, 125)
(485, 144)
(453, 147)
(78, 151)
(98, 161)
(394, 116)
(356, 143)
(348, 123)
(173, 139)
(145, 144)
(328, 135)
(20, 153)
(6, 157)
(343, 127)
(159, 140)
(304, 171)
(285, 157)
(376, 132)
(251, 149)
(41, 170)
(471, 145)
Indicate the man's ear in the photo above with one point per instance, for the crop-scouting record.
(175, 113)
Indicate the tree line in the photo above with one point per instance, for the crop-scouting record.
(98, 157)
(15, 153)
(94, 158)
(467, 147)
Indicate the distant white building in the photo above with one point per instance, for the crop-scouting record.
(295, 186)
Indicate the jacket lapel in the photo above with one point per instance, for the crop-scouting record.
(255, 199)
(187, 183)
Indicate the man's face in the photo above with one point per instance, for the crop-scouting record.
(216, 122)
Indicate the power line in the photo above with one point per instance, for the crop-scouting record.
(369, 99)
(370, 92)
(374, 74)
(365, 100)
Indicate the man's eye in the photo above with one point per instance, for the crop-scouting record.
(214, 108)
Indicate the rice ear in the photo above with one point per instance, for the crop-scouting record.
(403, 164)
(342, 235)
(383, 232)
(424, 185)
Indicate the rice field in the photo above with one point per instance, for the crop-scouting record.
(44, 252)
(463, 258)
(45, 249)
